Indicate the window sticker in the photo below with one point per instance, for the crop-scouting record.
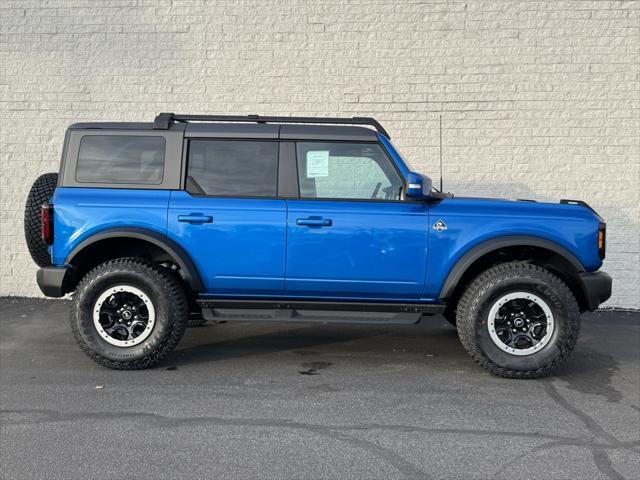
(317, 163)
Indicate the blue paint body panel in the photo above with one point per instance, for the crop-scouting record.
(371, 250)
(83, 212)
(472, 221)
(395, 156)
(242, 251)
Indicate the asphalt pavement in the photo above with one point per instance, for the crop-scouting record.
(313, 401)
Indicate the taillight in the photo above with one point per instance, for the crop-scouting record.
(602, 240)
(46, 223)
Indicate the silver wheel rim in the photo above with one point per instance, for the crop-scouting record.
(520, 323)
(124, 316)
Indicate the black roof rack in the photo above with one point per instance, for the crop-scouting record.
(164, 120)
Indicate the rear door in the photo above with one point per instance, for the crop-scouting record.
(229, 218)
(350, 234)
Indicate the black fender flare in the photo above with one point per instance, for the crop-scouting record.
(188, 270)
(461, 266)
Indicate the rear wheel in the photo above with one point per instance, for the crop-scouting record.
(128, 314)
(518, 320)
(40, 194)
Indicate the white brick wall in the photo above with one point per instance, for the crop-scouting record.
(539, 99)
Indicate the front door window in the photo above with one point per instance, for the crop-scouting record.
(346, 171)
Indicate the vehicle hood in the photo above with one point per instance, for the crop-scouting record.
(563, 208)
(462, 222)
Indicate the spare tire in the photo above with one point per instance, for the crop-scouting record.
(40, 194)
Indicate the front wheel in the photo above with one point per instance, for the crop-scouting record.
(518, 320)
(128, 314)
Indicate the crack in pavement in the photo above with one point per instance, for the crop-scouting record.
(338, 432)
(600, 442)
(408, 469)
(50, 416)
(599, 454)
(405, 467)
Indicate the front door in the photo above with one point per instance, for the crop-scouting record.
(229, 219)
(350, 235)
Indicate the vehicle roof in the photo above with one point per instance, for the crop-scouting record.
(247, 130)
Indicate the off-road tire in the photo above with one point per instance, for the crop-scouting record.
(481, 294)
(40, 194)
(163, 289)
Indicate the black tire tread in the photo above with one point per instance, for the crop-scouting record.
(176, 298)
(40, 193)
(468, 304)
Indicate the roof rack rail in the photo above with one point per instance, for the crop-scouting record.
(164, 120)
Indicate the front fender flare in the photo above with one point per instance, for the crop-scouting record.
(464, 262)
(188, 270)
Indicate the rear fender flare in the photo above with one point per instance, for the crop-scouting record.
(188, 270)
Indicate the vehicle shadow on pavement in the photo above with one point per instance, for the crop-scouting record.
(589, 370)
(212, 342)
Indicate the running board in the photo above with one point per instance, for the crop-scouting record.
(311, 311)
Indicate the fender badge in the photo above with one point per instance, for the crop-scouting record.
(439, 226)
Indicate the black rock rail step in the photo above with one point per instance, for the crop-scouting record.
(313, 311)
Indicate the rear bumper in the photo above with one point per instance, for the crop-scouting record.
(51, 281)
(596, 287)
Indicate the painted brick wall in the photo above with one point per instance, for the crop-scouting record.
(539, 99)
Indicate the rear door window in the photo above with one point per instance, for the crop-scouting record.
(233, 168)
(121, 159)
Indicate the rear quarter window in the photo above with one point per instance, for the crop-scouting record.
(121, 159)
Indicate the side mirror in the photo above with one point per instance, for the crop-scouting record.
(418, 186)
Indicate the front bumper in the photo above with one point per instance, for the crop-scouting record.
(51, 281)
(596, 287)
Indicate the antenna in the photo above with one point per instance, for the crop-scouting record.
(441, 188)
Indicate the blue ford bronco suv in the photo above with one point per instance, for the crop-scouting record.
(154, 226)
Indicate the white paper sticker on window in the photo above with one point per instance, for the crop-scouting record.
(317, 163)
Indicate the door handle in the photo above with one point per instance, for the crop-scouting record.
(314, 222)
(195, 218)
